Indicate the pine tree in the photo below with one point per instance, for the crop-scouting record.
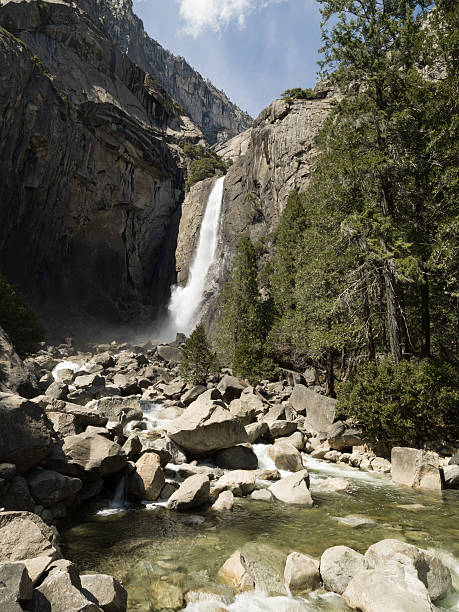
(244, 317)
(199, 361)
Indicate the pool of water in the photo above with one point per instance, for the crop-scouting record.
(150, 547)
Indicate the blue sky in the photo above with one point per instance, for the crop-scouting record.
(252, 49)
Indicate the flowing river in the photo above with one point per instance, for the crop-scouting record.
(149, 549)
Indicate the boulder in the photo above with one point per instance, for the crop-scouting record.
(416, 468)
(88, 456)
(64, 424)
(454, 460)
(15, 581)
(295, 439)
(15, 377)
(105, 359)
(118, 408)
(225, 502)
(239, 482)
(175, 452)
(277, 429)
(205, 427)
(170, 354)
(84, 415)
(24, 535)
(37, 567)
(429, 568)
(451, 476)
(89, 381)
(394, 587)
(105, 591)
(338, 565)
(192, 493)
(192, 394)
(381, 465)
(235, 574)
(26, 434)
(301, 574)
(15, 495)
(230, 388)
(148, 479)
(57, 391)
(262, 495)
(245, 412)
(336, 485)
(256, 430)
(293, 489)
(286, 457)
(319, 409)
(49, 487)
(132, 447)
(60, 592)
(332, 456)
(237, 458)
(266, 564)
(341, 437)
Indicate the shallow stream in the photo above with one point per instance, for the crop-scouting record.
(152, 548)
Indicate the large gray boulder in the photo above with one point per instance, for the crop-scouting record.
(341, 437)
(26, 434)
(293, 489)
(239, 482)
(451, 476)
(170, 354)
(338, 565)
(118, 408)
(301, 573)
(49, 487)
(395, 587)
(148, 479)
(428, 566)
(192, 493)
(14, 375)
(88, 455)
(231, 388)
(416, 468)
(15, 582)
(24, 535)
(286, 457)
(105, 591)
(237, 458)
(61, 592)
(319, 409)
(205, 427)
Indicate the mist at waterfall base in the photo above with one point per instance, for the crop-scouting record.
(185, 302)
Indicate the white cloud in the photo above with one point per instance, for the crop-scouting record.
(200, 15)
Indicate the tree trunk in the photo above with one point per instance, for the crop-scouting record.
(367, 315)
(425, 318)
(330, 378)
(392, 312)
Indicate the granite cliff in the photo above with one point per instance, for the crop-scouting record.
(207, 106)
(271, 159)
(91, 174)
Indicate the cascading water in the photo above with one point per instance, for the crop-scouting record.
(185, 301)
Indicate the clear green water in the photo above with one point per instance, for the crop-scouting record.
(146, 546)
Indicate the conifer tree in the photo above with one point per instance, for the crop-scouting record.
(199, 361)
(243, 324)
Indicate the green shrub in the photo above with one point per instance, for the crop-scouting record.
(297, 93)
(403, 404)
(201, 169)
(18, 320)
(199, 361)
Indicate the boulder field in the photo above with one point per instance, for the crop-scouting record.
(118, 424)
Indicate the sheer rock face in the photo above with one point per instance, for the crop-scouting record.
(208, 107)
(270, 160)
(91, 177)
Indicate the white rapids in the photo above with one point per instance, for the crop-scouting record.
(185, 301)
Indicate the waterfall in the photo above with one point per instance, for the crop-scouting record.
(185, 302)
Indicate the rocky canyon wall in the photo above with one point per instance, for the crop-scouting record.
(270, 160)
(91, 173)
(207, 106)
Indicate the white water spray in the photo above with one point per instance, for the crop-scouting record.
(185, 301)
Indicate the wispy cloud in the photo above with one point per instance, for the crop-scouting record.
(216, 15)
